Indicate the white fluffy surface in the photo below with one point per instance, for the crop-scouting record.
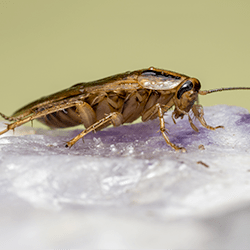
(125, 188)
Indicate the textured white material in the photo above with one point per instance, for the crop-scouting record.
(125, 188)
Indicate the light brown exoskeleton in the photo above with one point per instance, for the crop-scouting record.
(116, 100)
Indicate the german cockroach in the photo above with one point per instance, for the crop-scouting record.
(119, 99)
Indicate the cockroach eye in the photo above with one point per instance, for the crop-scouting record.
(188, 85)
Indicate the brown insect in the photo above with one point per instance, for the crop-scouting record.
(116, 100)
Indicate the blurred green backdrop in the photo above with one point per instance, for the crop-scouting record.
(49, 45)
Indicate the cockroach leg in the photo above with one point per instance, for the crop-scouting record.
(192, 124)
(87, 114)
(163, 130)
(4, 131)
(173, 118)
(37, 115)
(199, 114)
(114, 118)
(7, 118)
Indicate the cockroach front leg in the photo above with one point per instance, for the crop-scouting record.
(199, 114)
(115, 118)
(163, 130)
(192, 124)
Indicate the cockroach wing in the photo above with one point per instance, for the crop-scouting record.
(74, 91)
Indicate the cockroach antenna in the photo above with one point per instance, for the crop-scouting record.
(205, 92)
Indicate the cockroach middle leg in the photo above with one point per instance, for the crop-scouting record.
(163, 130)
(114, 118)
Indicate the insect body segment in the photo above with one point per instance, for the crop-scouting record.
(118, 99)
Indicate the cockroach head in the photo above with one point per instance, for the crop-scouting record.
(186, 95)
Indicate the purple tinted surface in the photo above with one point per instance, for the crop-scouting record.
(126, 180)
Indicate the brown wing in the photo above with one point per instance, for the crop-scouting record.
(78, 89)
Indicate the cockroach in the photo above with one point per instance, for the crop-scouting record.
(119, 99)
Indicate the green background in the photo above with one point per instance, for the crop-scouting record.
(49, 45)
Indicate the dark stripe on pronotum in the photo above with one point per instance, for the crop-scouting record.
(186, 86)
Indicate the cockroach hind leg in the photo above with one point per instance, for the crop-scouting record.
(70, 143)
(7, 129)
(4, 131)
(8, 118)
